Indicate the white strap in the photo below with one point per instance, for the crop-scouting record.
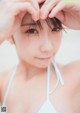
(8, 88)
(59, 78)
(58, 72)
(55, 87)
(48, 81)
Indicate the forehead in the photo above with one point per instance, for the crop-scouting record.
(27, 18)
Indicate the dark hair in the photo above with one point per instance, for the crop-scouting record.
(52, 23)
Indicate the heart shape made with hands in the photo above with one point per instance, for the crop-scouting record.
(59, 15)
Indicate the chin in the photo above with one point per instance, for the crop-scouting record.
(43, 65)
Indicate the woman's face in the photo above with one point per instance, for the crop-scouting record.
(35, 46)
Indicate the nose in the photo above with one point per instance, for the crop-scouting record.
(46, 45)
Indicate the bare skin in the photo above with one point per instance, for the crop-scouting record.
(28, 96)
(29, 83)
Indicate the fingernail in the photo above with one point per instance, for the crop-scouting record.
(41, 13)
(50, 15)
(34, 18)
(42, 16)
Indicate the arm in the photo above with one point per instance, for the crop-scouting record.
(73, 84)
(11, 14)
(76, 100)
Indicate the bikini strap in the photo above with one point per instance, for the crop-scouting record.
(8, 87)
(48, 81)
(59, 78)
(58, 72)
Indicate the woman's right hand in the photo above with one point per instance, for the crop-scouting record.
(10, 19)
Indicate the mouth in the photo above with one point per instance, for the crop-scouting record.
(44, 58)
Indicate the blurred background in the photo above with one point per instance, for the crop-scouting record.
(68, 52)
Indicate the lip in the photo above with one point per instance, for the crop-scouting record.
(45, 58)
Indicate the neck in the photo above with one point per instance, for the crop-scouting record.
(30, 71)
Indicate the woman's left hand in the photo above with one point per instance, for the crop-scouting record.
(68, 12)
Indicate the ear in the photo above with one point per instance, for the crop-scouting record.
(11, 40)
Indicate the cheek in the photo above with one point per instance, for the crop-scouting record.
(59, 39)
(25, 46)
(56, 40)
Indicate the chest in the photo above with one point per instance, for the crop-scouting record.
(29, 99)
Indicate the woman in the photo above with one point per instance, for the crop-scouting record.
(38, 84)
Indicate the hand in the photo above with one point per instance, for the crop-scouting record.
(66, 11)
(10, 15)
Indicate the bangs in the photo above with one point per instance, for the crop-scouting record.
(52, 23)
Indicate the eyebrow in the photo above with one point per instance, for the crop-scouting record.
(29, 24)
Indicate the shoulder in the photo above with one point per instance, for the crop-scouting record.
(73, 67)
(71, 72)
(4, 77)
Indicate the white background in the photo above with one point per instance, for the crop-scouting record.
(69, 50)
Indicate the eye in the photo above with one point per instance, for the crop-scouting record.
(31, 31)
(56, 29)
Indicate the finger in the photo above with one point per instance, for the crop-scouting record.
(35, 4)
(47, 1)
(23, 7)
(57, 9)
(47, 7)
(61, 16)
(40, 1)
(1, 38)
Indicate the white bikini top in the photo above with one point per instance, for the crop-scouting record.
(47, 107)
